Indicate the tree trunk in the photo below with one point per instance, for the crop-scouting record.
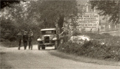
(60, 23)
(59, 28)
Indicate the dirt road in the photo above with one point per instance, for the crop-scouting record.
(11, 58)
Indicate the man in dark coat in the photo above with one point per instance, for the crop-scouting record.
(30, 37)
(19, 35)
(25, 38)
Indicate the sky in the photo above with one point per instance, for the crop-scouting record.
(82, 1)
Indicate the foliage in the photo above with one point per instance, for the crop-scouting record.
(7, 29)
(16, 18)
(36, 14)
(97, 36)
(5, 3)
(108, 7)
(53, 12)
(94, 49)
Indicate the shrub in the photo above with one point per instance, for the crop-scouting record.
(94, 49)
(76, 33)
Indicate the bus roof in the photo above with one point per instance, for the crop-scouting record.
(48, 29)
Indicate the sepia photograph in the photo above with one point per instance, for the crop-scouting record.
(59, 34)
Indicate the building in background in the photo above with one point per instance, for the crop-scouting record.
(89, 20)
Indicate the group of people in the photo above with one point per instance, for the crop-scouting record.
(25, 37)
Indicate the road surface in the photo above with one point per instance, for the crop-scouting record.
(11, 58)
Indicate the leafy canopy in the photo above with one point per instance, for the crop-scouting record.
(54, 11)
(108, 7)
(4, 3)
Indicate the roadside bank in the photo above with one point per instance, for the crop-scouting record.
(83, 59)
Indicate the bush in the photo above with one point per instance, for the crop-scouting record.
(94, 49)
(8, 43)
(106, 34)
(76, 33)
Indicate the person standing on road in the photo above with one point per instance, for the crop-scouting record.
(30, 37)
(25, 38)
(19, 35)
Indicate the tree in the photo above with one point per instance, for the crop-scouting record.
(54, 12)
(7, 29)
(4, 3)
(41, 13)
(50, 12)
(20, 16)
(108, 7)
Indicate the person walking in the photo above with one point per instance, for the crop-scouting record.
(30, 37)
(19, 36)
(25, 39)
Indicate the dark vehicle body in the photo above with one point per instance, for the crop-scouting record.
(48, 38)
